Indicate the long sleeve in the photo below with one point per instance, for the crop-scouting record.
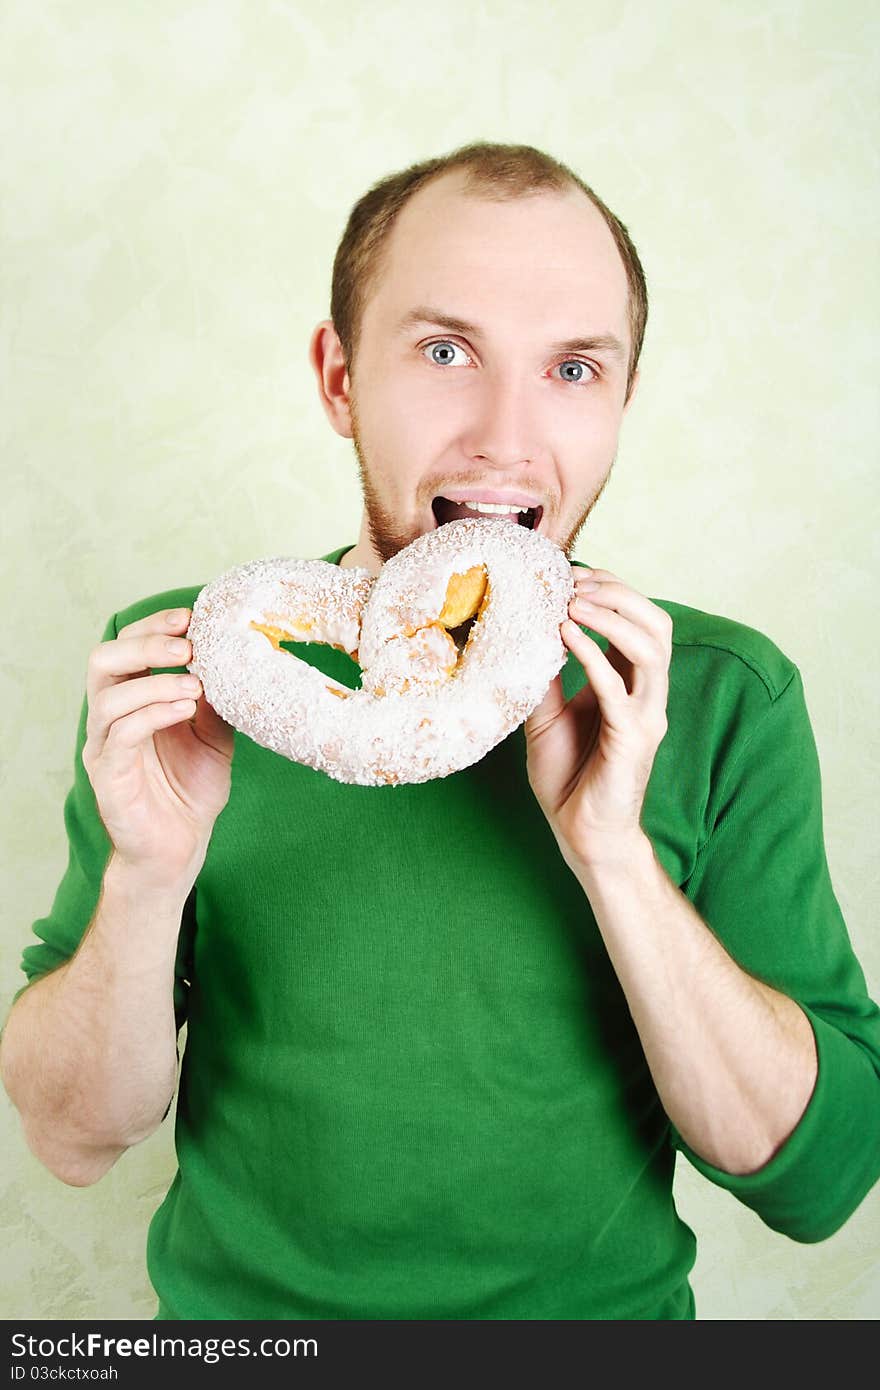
(761, 882)
(76, 898)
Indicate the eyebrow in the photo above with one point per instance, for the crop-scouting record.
(594, 342)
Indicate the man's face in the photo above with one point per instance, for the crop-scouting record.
(502, 407)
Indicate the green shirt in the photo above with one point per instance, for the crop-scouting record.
(412, 1087)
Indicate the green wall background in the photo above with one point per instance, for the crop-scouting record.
(178, 177)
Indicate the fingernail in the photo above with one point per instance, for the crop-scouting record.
(177, 646)
(588, 586)
(175, 616)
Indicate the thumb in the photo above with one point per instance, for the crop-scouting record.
(211, 729)
(549, 709)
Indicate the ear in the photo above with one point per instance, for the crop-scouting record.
(632, 388)
(328, 362)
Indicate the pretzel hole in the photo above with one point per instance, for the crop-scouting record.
(331, 661)
(464, 596)
(276, 635)
(461, 634)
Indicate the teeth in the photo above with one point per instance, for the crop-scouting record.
(492, 508)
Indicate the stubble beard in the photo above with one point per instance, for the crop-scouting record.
(385, 534)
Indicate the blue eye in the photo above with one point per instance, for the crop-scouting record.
(580, 367)
(442, 352)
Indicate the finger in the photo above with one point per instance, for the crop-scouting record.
(624, 668)
(636, 644)
(620, 663)
(607, 685)
(120, 700)
(552, 704)
(172, 620)
(583, 572)
(613, 593)
(128, 734)
(211, 729)
(646, 649)
(648, 676)
(582, 575)
(139, 647)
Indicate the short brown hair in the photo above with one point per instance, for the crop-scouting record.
(499, 171)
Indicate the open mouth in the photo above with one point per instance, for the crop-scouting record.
(445, 510)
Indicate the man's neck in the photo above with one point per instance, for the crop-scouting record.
(355, 559)
(362, 556)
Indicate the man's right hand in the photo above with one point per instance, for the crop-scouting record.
(157, 755)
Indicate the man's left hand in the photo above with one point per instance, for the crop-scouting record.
(589, 758)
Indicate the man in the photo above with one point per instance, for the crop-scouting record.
(444, 1040)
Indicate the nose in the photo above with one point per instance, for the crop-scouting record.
(501, 430)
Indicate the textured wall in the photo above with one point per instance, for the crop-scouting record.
(179, 175)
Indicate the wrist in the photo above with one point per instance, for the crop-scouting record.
(625, 855)
(133, 887)
(134, 932)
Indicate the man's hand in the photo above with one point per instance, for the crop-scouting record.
(589, 759)
(89, 1052)
(733, 1060)
(157, 755)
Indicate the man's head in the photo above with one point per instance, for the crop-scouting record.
(488, 313)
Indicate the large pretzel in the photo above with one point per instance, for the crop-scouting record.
(458, 639)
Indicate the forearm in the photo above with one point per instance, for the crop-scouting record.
(733, 1060)
(89, 1053)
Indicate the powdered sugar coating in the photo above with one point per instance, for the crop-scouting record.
(412, 720)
